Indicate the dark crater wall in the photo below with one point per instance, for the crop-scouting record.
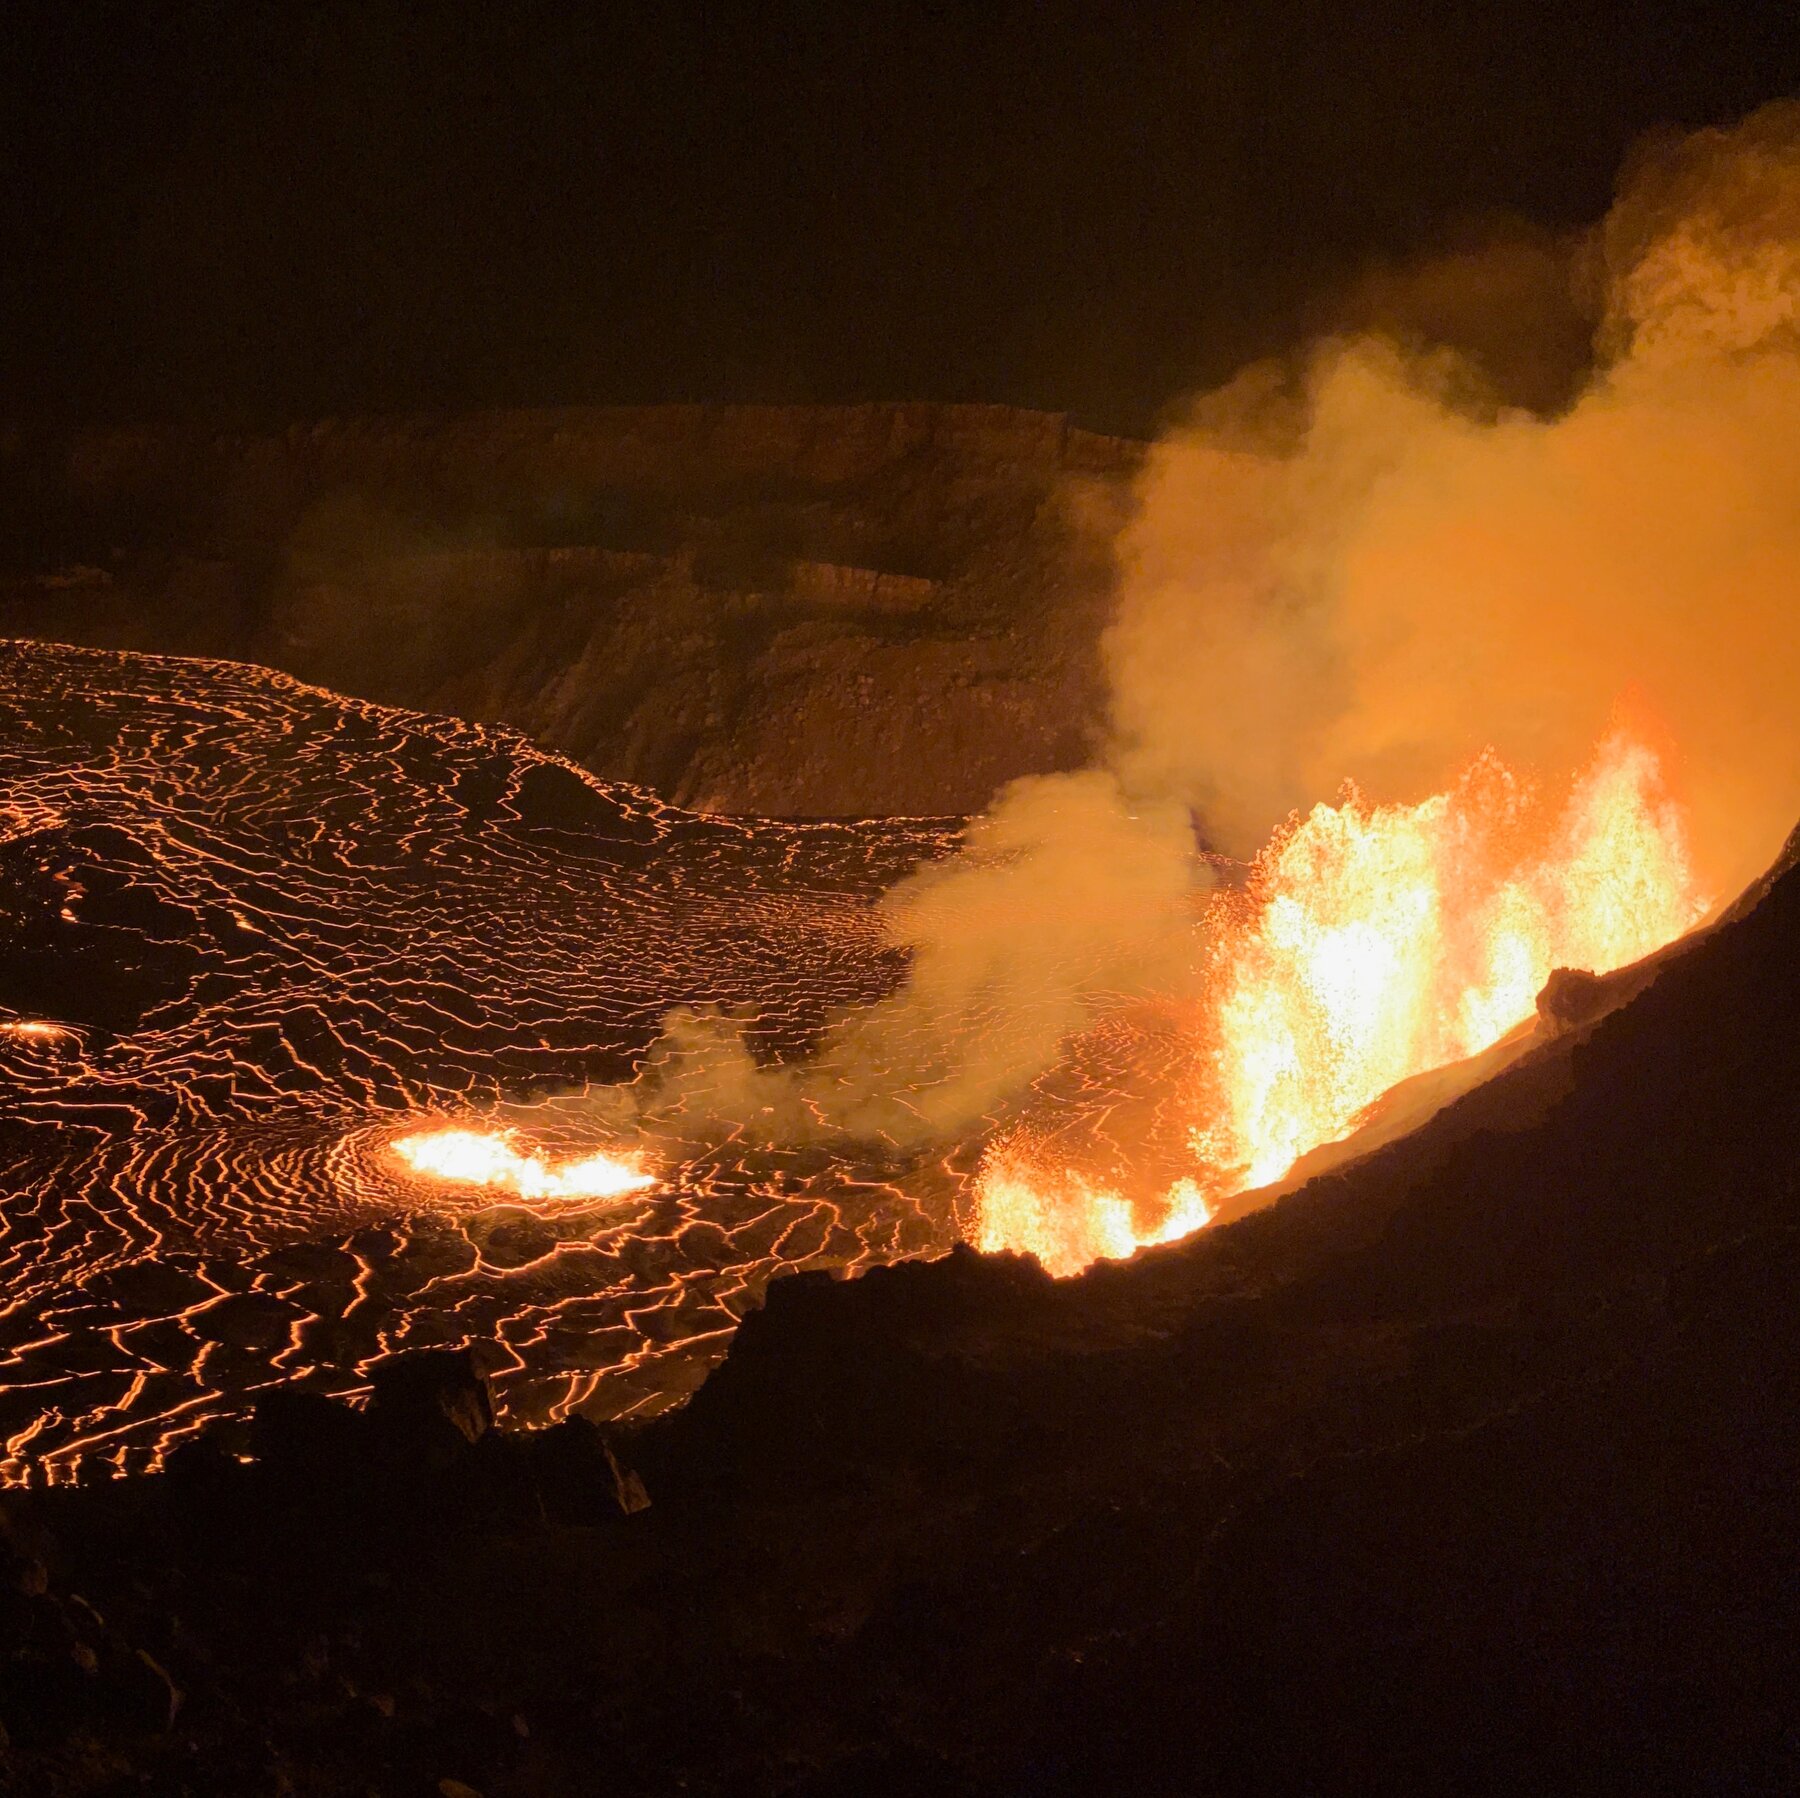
(787, 611)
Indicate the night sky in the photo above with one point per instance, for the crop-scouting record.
(241, 211)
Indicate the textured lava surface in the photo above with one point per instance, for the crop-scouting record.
(272, 927)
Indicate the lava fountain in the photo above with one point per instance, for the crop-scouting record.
(1372, 943)
(493, 1158)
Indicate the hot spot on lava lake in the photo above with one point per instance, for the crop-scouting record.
(492, 1158)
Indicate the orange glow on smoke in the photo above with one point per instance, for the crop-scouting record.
(1374, 943)
(489, 1158)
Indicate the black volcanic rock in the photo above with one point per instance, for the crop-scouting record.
(577, 1475)
(831, 1374)
(1571, 996)
(304, 1438)
(415, 1394)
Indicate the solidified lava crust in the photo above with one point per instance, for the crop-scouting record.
(265, 928)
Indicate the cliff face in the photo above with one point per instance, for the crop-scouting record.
(803, 611)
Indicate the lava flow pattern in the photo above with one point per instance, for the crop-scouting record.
(329, 1031)
(257, 933)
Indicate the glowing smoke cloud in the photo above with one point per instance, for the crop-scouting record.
(1347, 570)
(1356, 564)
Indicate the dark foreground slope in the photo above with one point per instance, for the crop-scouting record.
(1472, 1467)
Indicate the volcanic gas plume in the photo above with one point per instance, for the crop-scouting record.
(1555, 655)
(1355, 567)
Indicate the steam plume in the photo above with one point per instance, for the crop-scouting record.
(1355, 563)
(1066, 898)
(1360, 568)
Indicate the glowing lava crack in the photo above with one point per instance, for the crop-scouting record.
(277, 929)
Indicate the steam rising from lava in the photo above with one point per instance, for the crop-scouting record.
(1353, 564)
(1066, 900)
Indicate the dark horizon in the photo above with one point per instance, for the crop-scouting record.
(240, 214)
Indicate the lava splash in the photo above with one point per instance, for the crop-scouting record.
(1373, 943)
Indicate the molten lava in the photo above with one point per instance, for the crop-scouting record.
(489, 1158)
(1067, 1220)
(36, 1030)
(1374, 943)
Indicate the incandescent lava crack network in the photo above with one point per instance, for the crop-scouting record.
(255, 931)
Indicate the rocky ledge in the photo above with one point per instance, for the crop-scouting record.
(848, 611)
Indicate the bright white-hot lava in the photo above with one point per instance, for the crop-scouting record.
(1068, 1220)
(1374, 943)
(36, 1030)
(492, 1158)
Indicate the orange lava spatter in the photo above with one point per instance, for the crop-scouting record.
(492, 1158)
(1375, 942)
(1069, 1220)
